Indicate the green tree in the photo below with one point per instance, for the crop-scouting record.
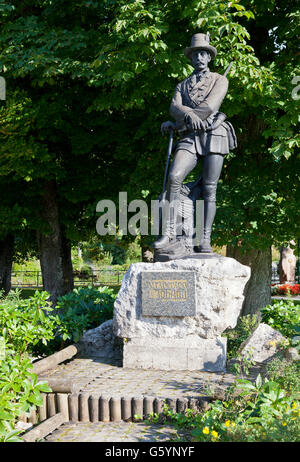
(93, 82)
(50, 144)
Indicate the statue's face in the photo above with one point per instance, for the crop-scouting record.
(200, 59)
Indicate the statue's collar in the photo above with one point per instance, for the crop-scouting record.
(200, 75)
(198, 78)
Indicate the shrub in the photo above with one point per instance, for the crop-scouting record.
(25, 323)
(84, 308)
(284, 315)
(28, 326)
(286, 373)
(20, 392)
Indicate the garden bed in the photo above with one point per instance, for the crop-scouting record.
(286, 289)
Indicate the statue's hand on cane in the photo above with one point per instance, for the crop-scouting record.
(167, 127)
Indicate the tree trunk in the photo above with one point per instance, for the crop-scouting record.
(258, 288)
(6, 261)
(54, 249)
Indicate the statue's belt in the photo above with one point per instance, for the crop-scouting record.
(211, 123)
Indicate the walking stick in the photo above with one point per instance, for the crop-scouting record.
(228, 69)
(165, 178)
(168, 158)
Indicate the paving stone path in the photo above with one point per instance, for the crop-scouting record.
(116, 432)
(99, 376)
(95, 375)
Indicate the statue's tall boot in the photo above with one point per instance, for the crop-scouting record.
(209, 215)
(205, 246)
(169, 236)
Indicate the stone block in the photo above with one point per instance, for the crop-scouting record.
(262, 344)
(178, 358)
(192, 353)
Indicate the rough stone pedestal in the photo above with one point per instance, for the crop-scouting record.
(171, 314)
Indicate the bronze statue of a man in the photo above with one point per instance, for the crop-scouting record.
(204, 133)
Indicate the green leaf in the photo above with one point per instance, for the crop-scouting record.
(258, 381)
(6, 415)
(44, 387)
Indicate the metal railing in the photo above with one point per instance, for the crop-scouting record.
(95, 278)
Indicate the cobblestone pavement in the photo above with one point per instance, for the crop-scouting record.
(95, 375)
(113, 432)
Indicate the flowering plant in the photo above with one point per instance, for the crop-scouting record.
(286, 289)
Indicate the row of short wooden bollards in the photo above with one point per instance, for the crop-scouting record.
(86, 407)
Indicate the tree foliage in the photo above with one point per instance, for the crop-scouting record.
(89, 83)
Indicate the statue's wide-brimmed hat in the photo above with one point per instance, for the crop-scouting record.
(200, 41)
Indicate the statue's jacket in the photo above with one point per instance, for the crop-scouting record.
(203, 95)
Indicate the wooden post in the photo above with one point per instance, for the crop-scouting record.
(193, 404)
(115, 409)
(148, 405)
(158, 405)
(104, 409)
(42, 410)
(94, 407)
(137, 408)
(59, 385)
(182, 404)
(51, 361)
(84, 407)
(73, 407)
(126, 408)
(44, 428)
(62, 405)
(171, 402)
(32, 418)
(51, 406)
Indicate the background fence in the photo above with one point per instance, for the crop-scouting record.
(103, 277)
(96, 278)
